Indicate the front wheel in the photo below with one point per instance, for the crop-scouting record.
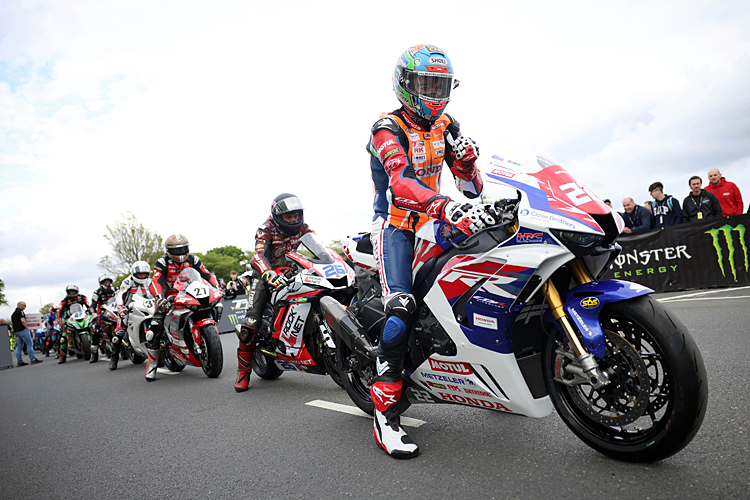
(85, 345)
(212, 355)
(657, 395)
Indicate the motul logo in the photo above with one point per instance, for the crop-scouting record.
(444, 366)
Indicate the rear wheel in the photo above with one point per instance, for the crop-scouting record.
(137, 358)
(172, 364)
(264, 366)
(329, 362)
(212, 355)
(355, 377)
(657, 397)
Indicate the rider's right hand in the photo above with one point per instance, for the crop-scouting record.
(466, 217)
(275, 280)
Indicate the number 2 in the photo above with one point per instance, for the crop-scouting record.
(577, 195)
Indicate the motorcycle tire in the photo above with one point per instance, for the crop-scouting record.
(329, 362)
(136, 358)
(667, 378)
(265, 367)
(354, 381)
(124, 354)
(212, 356)
(85, 347)
(172, 364)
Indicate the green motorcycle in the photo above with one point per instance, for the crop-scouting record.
(76, 335)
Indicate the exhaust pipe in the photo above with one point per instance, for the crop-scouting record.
(347, 327)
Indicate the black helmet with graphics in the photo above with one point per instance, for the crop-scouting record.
(177, 246)
(288, 213)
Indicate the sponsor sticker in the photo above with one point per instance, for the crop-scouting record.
(530, 237)
(590, 303)
(449, 367)
(503, 173)
(485, 321)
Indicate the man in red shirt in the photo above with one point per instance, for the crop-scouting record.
(727, 192)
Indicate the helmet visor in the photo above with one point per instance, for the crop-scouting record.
(178, 250)
(287, 205)
(141, 276)
(429, 85)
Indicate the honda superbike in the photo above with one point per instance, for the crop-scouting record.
(77, 330)
(191, 336)
(293, 336)
(517, 319)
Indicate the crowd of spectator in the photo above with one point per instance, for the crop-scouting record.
(718, 198)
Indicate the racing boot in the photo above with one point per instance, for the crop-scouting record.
(151, 364)
(244, 367)
(247, 333)
(115, 352)
(63, 353)
(94, 353)
(388, 433)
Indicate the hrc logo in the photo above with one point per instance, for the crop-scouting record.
(530, 237)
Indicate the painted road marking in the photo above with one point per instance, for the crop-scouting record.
(706, 298)
(165, 371)
(697, 294)
(353, 410)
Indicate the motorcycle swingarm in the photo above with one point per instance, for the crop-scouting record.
(583, 305)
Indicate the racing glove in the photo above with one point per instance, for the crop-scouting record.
(275, 280)
(466, 217)
(464, 151)
(163, 303)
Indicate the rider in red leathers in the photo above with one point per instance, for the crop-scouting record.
(278, 235)
(100, 297)
(72, 297)
(166, 270)
(407, 150)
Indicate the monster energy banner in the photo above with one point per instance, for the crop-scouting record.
(234, 313)
(704, 254)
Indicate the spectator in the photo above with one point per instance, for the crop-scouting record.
(666, 208)
(699, 204)
(235, 287)
(727, 192)
(637, 218)
(22, 333)
(608, 202)
(647, 204)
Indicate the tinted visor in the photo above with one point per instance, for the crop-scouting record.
(141, 276)
(180, 250)
(429, 85)
(287, 205)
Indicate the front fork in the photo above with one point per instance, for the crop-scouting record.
(585, 365)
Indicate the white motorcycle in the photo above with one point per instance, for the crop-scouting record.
(141, 310)
(516, 319)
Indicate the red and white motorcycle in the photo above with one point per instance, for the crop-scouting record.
(293, 336)
(191, 336)
(516, 319)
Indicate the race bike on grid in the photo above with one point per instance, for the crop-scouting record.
(76, 335)
(517, 319)
(141, 310)
(293, 336)
(108, 317)
(190, 335)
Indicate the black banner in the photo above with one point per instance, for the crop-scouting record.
(705, 254)
(234, 313)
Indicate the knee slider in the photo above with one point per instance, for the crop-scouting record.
(399, 310)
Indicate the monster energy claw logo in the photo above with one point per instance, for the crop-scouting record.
(726, 231)
(232, 319)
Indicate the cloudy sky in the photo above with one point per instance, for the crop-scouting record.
(194, 115)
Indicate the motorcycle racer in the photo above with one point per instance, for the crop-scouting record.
(72, 297)
(137, 283)
(407, 150)
(277, 236)
(100, 297)
(49, 322)
(166, 270)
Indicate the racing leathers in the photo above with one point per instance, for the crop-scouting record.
(162, 287)
(406, 163)
(62, 314)
(100, 297)
(271, 245)
(128, 289)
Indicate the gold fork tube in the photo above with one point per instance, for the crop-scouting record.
(579, 272)
(556, 305)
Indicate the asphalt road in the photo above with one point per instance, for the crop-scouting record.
(79, 431)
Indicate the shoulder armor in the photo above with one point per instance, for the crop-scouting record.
(386, 123)
(453, 126)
